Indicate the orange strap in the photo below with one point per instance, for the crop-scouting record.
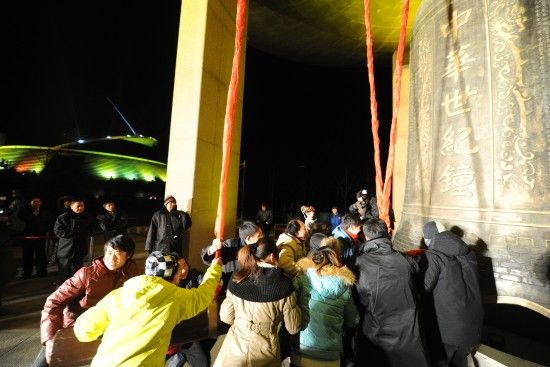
(383, 188)
(230, 119)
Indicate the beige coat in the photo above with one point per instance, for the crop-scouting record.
(253, 337)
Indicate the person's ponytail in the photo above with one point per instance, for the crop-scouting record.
(249, 256)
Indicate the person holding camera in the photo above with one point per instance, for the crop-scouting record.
(167, 228)
(365, 205)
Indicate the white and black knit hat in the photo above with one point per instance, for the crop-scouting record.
(160, 265)
(432, 228)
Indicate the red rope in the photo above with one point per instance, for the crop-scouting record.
(383, 188)
(373, 106)
(230, 119)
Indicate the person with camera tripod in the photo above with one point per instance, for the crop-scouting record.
(167, 228)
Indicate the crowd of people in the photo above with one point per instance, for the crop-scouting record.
(341, 296)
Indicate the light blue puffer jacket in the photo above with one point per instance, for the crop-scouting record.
(327, 305)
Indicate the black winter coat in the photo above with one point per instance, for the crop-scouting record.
(386, 290)
(36, 225)
(166, 230)
(112, 224)
(452, 276)
(365, 210)
(74, 231)
(229, 251)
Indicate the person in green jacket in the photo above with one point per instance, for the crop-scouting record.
(136, 321)
(325, 295)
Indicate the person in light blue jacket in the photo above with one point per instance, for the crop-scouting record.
(324, 291)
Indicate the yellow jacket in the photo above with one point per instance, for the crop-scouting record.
(136, 321)
(291, 249)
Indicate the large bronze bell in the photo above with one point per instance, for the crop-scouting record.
(479, 139)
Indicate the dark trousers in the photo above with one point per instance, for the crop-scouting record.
(34, 251)
(348, 341)
(285, 342)
(40, 360)
(68, 266)
(456, 356)
(197, 354)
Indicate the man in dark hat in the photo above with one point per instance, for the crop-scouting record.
(167, 228)
(451, 278)
(74, 229)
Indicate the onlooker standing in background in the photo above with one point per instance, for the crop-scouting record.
(16, 207)
(365, 206)
(335, 218)
(111, 221)
(37, 224)
(8, 270)
(167, 228)
(310, 220)
(74, 229)
(264, 218)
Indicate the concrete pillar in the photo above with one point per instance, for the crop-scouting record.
(203, 71)
(400, 168)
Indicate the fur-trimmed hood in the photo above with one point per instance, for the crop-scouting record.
(343, 272)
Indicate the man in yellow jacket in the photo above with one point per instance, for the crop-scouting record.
(136, 320)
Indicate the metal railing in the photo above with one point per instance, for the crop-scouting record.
(50, 244)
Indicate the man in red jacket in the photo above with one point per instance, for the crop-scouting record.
(84, 289)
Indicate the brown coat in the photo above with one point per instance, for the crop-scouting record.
(253, 337)
(80, 292)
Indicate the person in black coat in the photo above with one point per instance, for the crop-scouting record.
(264, 219)
(38, 223)
(167, 228)
(74, 229)
(390, 334)
(111, 221)
(365, 205)
(452, 280)
(249, 233)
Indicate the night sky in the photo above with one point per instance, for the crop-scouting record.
(306, 129)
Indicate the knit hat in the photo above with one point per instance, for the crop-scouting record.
(315, 240)
(432, 228)
(160, 265)
(167, 198)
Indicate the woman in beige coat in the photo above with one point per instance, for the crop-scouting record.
(259, 298)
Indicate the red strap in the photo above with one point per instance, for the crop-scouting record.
(229, 120)
(383, 188)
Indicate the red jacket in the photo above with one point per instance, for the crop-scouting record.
(80, 292)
